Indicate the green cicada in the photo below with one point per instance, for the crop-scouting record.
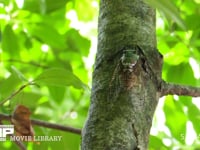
(129, 60)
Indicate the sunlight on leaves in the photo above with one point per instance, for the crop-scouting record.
(59, 77)
(169, 10)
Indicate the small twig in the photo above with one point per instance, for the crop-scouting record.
(20, 145)
(175, 89)
(16, 92)
(47, 124)
(28, 63)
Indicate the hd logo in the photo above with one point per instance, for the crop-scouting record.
(6, 130)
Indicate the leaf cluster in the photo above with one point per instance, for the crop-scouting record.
(178, 41)
(42, 65)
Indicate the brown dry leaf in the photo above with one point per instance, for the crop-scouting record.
(22, 123)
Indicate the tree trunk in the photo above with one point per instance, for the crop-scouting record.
(126, 78)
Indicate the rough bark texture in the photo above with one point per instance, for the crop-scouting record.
(123, 100)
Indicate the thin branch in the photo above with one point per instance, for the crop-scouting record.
(20, 145)
(175, 89)
(28, 63)
(47, 125)
(16, 92)
(56, 126)
(5, 117)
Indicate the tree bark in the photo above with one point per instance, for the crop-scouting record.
(124, 89)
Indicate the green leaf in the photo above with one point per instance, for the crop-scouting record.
(18, 73)
(193, 114)
(36, 6)
(69, 141)
(156, 143)
(41, 6)
(59, 77)
(168, 8)
(10, 41)
(178, 54)
(193, 22)
(175, 118)
(8, 85)
(26, 40)
(57, 93)
(186, 77)
(5, 2)
(186, 100)
(82, 6)
(28, 99)
(52, 6)
(77, 43)
(48, 35)
(194, 41)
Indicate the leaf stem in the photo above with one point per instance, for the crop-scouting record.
(16, 92)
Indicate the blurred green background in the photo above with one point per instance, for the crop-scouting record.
(53, 43)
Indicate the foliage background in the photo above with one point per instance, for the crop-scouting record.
(54, 43)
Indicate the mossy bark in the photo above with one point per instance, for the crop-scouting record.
(123, 102)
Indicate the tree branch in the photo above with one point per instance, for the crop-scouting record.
(175, 89)
(56, 126)
(47, 125)
(20, 145)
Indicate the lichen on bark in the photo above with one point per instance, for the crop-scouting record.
(120, 116)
